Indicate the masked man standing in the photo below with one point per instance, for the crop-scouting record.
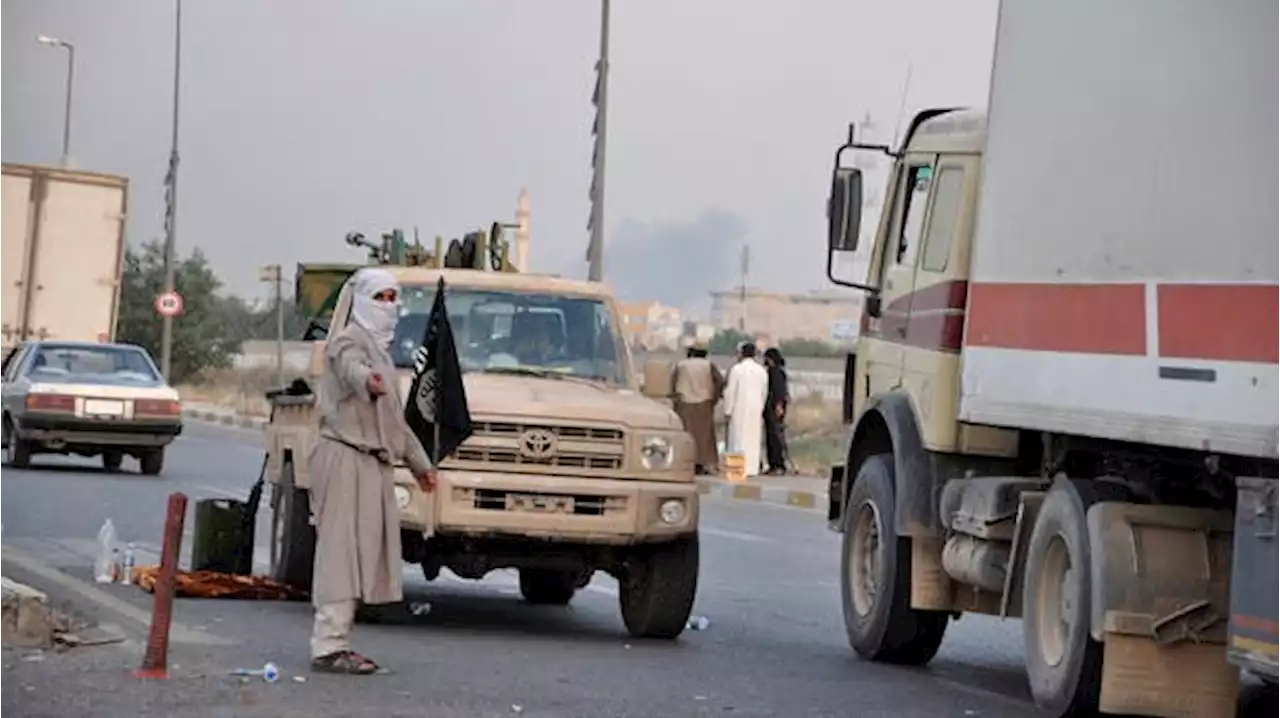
(362, 435)
(744, 400)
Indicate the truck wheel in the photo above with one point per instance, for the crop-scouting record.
(658, 587)
(152, 462)
(876, 567)
(544, 587)
(111, 460)
(1064, 663)
(19, 453)
(293, 538)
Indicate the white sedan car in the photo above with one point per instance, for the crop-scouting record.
(87, 399)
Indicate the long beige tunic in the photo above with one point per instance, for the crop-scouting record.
(353, 493)
(696, 387)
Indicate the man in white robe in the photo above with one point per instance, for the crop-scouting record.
(744, 399)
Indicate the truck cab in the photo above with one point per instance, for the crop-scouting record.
(570, 469)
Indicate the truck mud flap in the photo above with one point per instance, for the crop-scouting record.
(1252, 634)
(835, 497)
(1160, 582)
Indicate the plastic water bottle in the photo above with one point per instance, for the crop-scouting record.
(126, 565)
(271, 673)
(104, 564)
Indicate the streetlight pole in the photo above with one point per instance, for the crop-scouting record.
(71, 75)
(171, 201)
(274, 273)
(595, 254)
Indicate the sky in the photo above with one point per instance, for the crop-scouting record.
(302, 120)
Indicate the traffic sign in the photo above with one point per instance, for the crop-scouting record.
(169, 304)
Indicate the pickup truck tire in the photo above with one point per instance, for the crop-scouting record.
(1064, 663)
(293, 538)
(152, 462)
(875, 568)
(112, 460)
(18, 449)
(546, 587)
(657, 589)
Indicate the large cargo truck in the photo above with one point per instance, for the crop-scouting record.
(63, 254)
(1063, 403)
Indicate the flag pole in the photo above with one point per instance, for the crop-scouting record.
(435, 425)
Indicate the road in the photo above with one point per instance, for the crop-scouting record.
(774, 647)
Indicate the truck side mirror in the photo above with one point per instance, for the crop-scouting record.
(844, 209)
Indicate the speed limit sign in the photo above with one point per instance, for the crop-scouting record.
(169, 304)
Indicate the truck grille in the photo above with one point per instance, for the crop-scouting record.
(571, 449)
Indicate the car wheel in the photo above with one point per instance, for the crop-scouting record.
(111, 460)
(19, 453)
(293, 538)
(152, 462)
(658, 587)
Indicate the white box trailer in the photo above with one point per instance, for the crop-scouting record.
(1124, 266)
(63, 253)
(1064, 395)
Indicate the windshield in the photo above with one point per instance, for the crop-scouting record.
(103, 364)
(517, 332)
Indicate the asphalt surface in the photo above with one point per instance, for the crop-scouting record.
(774, 645)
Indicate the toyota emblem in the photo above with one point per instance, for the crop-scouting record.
(538, 444)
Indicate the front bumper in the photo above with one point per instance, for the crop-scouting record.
(600, 511)
(97, 432)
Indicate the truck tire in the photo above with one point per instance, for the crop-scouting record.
(546, 587)
(875, 566)
(293, 538)
(657, 589)
(1064, 663)
(152, 462)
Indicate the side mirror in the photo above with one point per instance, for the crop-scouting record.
(844, 209)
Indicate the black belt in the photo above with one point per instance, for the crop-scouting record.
(380, 454)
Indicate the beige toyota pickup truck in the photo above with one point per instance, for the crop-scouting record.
(570, 470)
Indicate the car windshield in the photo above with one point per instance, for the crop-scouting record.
(105, 364)
(549, 335)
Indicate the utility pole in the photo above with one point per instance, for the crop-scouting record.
(71, 75)
(273, 273)
(595, 223)
(171, 200)
(742, 288)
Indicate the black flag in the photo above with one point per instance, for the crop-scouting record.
(437, 409)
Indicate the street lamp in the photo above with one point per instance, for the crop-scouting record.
(71, 72)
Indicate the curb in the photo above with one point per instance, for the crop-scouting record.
(222, 417)
(28, 619)
(761, 493)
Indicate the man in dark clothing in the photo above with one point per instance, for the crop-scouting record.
(775, 412)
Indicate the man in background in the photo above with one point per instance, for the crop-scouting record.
(745, 395)
(775, 412)
(696, 385)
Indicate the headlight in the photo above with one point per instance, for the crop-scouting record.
(671, 511)
(657, 454)
(403, 497)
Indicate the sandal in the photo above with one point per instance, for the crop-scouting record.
(344, 662)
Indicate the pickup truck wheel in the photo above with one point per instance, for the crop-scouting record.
(1064, 663)
(545, 587)
(19, 453)
(875, 564)
(111, 460)
(657, 589)
(293, 538)
(152, 462)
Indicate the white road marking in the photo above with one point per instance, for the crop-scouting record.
(725, 533)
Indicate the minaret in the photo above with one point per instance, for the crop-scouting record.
(522, 231)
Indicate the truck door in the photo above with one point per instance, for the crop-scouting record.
(895, 268)
(935, 313)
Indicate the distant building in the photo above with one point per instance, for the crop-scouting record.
(651, 325)
(773, 317)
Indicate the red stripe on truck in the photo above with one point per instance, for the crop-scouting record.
(1225, 322)
(1081, 318)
